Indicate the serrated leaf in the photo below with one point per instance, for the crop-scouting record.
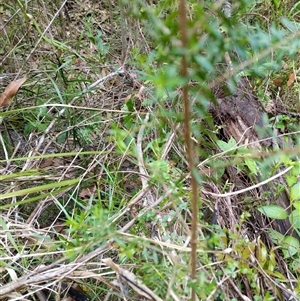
(285, 159)
(290, 246)
(273, 211)
(295, 192)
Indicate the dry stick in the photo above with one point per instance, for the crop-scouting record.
(189, 143)
(227, 194)
(139, 141)
(58, 269)
(4, 148)
(143, 171)
(169, 143)
(41, 295)
(48, 273)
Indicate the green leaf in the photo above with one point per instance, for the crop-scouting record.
(38, 189)
(231, 143)
(297, 205)
(7, 232)
(276, 236)
(295, 171)
(226, 146)
(295, 192)
(292, 26)
(291, 180)
(275, 274)
(294, 218)
(38, 197)
(218, 168)
(290, 246)
(273, 211)
(204, 62)
(222, 145)
(129, 105)
(251, 164)
(26, 173)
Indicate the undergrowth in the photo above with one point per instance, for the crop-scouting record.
(95, 182)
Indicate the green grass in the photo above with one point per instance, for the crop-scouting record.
(94, 177)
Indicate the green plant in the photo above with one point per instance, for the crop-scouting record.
(289, 244)
(107, 149)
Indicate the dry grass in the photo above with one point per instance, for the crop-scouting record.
(94, 183)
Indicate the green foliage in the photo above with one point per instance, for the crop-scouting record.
(96, 39)
(289, 244)
(226, 146)
(285, 123)
(156, 249)
(34, 190)
(89, 229)
(295, 192)
(273, 211)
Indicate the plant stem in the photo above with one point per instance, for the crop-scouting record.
(189, 144)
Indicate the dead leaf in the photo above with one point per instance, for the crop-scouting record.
(291, 79)
(52, 162)
(78, 62)
(88, 192)
(46, 163)
(11, 90)
(12, 274)
(278, 82)
(128, 97)
(139, 95)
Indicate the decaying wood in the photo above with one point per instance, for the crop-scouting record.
(240, 114)
(242, 118)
